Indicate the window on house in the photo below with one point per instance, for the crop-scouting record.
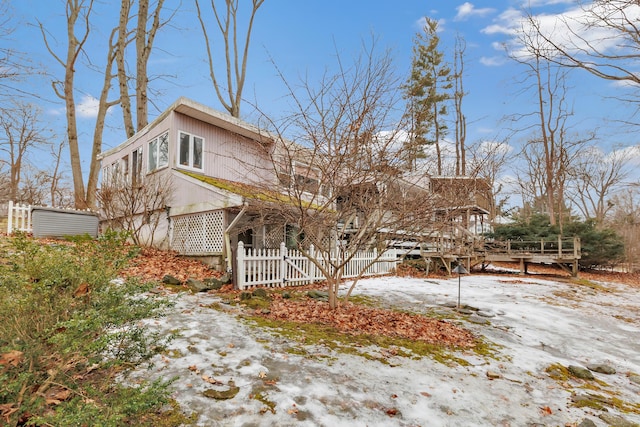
(158, 152)
(115, 171)
(106, 176)
(190, 151)
(125, 167)
(136, 166)
(307, 178)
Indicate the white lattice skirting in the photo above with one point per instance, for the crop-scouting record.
(198, 234)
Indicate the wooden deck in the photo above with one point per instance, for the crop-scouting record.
(564, 252)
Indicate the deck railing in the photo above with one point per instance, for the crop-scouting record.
(558, 248)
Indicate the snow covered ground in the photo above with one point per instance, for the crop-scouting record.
(534, 322)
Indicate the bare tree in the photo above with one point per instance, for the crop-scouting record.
(625, 218)
(595, 177)
(550, 123)
(343, 181)
(57, 190)
(488, 161)
(235, 56)
(458, 96)
(77, 14)
(603, 40)
(78, 20)
(147, 24)
(14, 65)
(21, 132)
(138, 208)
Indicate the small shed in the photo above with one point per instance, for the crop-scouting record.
(56, 222)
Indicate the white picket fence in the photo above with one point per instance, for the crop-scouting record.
(19, 218)
(288, 267)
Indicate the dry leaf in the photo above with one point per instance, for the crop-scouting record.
(546, 410)
(82, 290)
(13, 358)
(211, 380)
(425, 394)
(57, 396)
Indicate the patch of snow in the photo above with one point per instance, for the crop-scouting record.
(535, 323)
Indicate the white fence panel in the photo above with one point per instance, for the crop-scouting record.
(289, 267)
(19, 218)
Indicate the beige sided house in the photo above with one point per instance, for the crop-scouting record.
(219, 175)
(211, 161)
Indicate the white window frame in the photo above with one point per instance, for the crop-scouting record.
(303, 171)
(163, 137)
(137, 166)
(106, 175)
(191, 151)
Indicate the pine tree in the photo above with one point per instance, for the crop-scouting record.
(427, 90)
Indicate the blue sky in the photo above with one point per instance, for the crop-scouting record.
(303, 37)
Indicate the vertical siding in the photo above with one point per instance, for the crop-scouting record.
(226, 155)
(142, 141)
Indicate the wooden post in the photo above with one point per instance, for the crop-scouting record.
(283, 263)
(312, 267)
(241, 273)
(559, 246)
(522, 267)
(10, 218)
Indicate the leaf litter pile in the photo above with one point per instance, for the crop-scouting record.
(153, 264)
(356, 319)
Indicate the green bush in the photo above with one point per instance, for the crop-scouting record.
(68, 328)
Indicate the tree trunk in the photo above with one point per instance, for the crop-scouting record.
(123, 78)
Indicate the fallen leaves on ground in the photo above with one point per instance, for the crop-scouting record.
(356, 320)
(153, 264)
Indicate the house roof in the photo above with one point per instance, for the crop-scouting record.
(247, 191)
(205, 114)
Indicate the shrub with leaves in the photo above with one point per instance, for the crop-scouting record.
(68, 328)
(601, 247)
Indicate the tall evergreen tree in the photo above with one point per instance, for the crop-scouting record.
(428, 91)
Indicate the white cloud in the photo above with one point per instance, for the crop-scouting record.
(574, 28)
(493, 61)
(540, 3)
(468, 10)
(508, 22)
(88, 107)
